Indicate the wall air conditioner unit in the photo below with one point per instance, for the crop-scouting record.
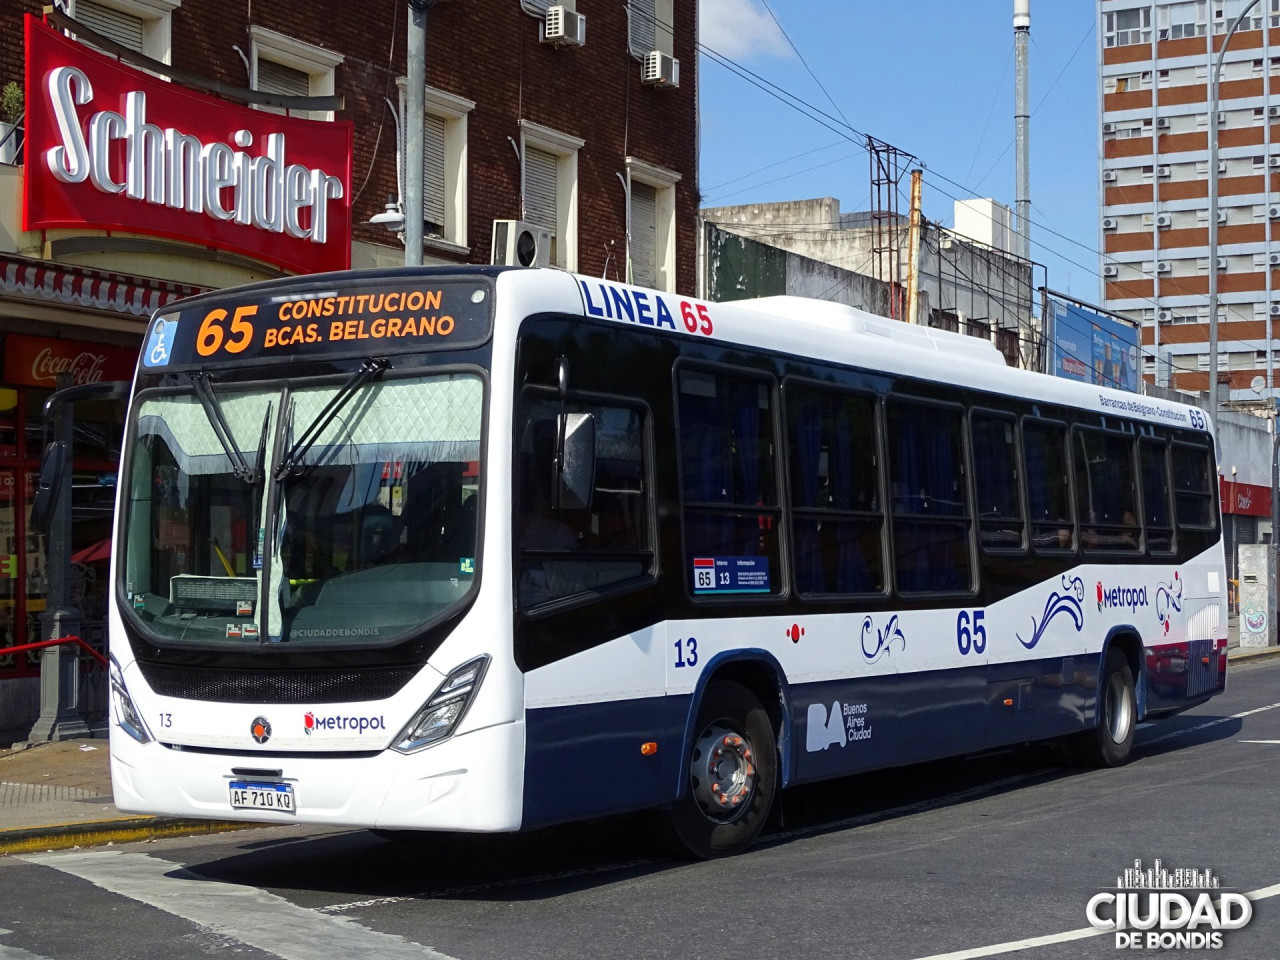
(1222, 166)
(1222, 263)
(1273, 112)
(1222, 216)
(1162, 123)
(1108, 128)
(1164, 316)
(518, 244)
(660, 70)
(1109, 175)
(1108, 223)
(1164, 219)
(1274, 259)
(564, 27)
(1110, 270)
(1162, 171)
(1164, 266)
(1222, 119)
(1274, 310)
(1273, 161)
(1273, 211)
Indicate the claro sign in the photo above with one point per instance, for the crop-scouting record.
(113, 148)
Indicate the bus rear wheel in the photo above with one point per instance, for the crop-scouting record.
(1110, 743)
(733, 774)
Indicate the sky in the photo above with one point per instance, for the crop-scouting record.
(929, 77)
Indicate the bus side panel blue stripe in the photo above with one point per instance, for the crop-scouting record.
(585, 761)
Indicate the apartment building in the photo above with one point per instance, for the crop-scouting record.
(1154, 64)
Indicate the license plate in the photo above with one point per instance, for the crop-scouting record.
(262, 796)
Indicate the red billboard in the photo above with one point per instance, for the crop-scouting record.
(37, 361)
(109, 147)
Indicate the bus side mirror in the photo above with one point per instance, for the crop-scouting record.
(52, 468)
(576, 471)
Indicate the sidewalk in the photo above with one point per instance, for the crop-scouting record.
(58, 795)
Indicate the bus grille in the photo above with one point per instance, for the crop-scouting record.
(1201, 677)
(347, 685)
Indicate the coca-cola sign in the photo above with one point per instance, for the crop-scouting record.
(37, 361)
(114, 148)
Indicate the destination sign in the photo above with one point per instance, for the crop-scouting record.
(360, 319)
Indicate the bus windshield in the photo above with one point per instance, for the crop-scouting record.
(315, 514)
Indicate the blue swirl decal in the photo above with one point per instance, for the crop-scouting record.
(1068, 601)
(1168, 599)
(883, 638)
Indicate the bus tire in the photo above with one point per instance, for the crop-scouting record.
(733, 775)
(1110, 743)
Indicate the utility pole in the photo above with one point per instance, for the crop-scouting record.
(913, 249)
(1022, 123)
(415, 110)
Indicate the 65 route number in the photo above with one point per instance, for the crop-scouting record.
(971, 633)
(212, 336)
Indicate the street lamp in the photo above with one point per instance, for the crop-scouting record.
(1213, 211)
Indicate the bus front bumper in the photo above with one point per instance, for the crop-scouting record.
(471, 782)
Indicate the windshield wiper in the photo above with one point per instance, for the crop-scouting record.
(213, 410)
(368, 370)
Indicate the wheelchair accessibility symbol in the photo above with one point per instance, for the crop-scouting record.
(159, 343)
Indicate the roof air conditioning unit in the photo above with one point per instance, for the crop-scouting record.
(1108, 175)
(1110, 270)
(660, 70)
(1108, 128)
(564, 27)
(1164, 266)
(1164, 219)
(1164, 316)
(1162, 171)
(1274, 310)
(518, 244)
(1162, 123)
(1108, 223)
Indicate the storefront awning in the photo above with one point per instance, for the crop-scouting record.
(64, 285)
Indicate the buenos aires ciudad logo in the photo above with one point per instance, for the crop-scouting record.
(1161, 909)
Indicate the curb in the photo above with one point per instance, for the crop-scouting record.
(1248, 654)
(62, 836)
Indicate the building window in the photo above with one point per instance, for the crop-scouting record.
(292, 68)
(1179, 20)
(649, 26)
(141, 25)
(444, 165)
(549, 188)
(1226, 11)
(1125, 27)
(653, 224)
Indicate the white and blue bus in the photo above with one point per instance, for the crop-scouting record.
(485, 549)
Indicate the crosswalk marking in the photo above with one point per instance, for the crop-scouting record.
(247, 914)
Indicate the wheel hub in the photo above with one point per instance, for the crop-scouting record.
(723, 773)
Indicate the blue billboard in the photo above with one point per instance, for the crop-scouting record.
(1091, 348)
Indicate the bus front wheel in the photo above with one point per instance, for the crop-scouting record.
(1110, 743)
(733, 774)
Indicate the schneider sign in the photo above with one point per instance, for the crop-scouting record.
(113, 148)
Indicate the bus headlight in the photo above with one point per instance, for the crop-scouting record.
(440, 715)
(126, 714)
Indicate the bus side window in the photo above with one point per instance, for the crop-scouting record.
(1044, 450)
(1157, 514)
(729, 485)
(931, 516)
(995, 462)
(838, 521)
(1193, 486)
(1106, 490)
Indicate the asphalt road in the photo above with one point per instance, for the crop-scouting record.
(960, 859)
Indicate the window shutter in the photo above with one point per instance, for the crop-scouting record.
(433, 171)
(642, 18)
(281, 80)
(540, 176)
(644, 245)
(124, 29)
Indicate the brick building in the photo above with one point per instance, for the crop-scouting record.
(579, 124)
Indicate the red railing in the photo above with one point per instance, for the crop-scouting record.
(53, 643)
